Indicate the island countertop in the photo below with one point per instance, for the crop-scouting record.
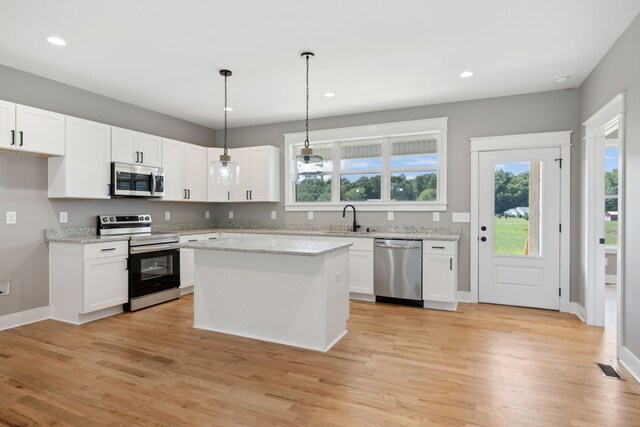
(268, 246)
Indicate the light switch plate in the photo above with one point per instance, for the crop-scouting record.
(273, 214)
(5, 288)
(436, 216)
(390, 216)
(207, 214)
(64, 217)
(461, 217)
(309, 215)
(12, 217)
(167, 216)
(230, 214)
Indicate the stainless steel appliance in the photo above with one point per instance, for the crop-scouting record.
(397, 271)
(154, 259)
(136, 180)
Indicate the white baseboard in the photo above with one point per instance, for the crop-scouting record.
(465, 296)
(610, 278)
(630, 362)
(578, 310)
(186, 290)
(21, 318)
(362, 297)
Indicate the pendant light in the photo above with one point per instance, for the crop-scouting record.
(307, 164)
(224, 171)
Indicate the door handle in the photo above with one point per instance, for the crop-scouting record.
(484, 239)
(13, 137)
(437, 247)
(108, 189)
(601, 241)
(246, 196)
(228, 195)
(21, 138)
(137, 157)
(185, 194)
(107, 249)
(483, 228)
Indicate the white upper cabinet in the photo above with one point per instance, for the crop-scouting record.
(128, 146)
(259, 174)
(240, 191)
(31, 130)
(185, 171)
(84, 172)
(217, 192)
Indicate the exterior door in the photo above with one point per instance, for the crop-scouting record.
(519, 227)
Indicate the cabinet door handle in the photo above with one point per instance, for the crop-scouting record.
(437, 247)
(185, 193)
(193, 240)
(250, 194)
(137, 157)
(142, 157)
(451, 264)
(228, 195)
(13, 137)
(108, 249)
(189, 194)
(21, 138)
(108, 189)
(246, 196)
(126, 264)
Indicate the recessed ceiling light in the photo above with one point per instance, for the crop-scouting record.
(56, 41)
(228, 109)
(466, 74)
(329, 94)
(562, 79)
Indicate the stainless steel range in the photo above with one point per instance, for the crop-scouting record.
(154, 259)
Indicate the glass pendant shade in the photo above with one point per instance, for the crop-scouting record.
(224, 171)
(307, 164)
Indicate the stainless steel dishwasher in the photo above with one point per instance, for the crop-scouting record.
(397, 271)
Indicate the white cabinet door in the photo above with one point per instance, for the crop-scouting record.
(7, 125)
(39, 131)
(240, 192)
(105, 283)
(216, 192)
(123, 145)
(265, 174)
(361, 272)
(439, 282)
(188, 261)
(173, 165)
(195, 170)
(84, 171)
(150, 149)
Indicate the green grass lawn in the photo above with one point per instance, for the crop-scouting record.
(611, 233)
(510, 235)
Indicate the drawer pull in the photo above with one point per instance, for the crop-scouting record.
(437, 247)
(108, 249)
(193, 240)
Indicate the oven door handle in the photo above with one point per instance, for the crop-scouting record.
(154, 248)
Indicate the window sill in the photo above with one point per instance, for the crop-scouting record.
(369, 207)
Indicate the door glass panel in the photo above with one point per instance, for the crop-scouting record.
(517, 208)
(154, 267)
(611, 222)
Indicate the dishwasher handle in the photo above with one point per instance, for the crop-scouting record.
(398, 244)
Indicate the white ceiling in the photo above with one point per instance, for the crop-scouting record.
(374, 54)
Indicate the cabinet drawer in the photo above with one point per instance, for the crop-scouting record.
(107, 249)
(192, 238)
(211, 236)
(439, 247)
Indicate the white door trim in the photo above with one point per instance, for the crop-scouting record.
(561, 140)
(593, 127)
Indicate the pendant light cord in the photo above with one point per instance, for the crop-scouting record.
(306, 141)
(225, 115)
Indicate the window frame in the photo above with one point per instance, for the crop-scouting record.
(383, 131)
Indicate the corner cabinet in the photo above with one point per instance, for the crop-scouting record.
(259, 175)
(185, 171)
(87, 282)
(84, 172)
(31, 130)
(440, 274)
(128, 146)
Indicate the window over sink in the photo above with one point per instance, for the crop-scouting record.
(399, 166)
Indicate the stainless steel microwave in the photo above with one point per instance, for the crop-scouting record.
(136, 181)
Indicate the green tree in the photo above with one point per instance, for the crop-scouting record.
(511, 190)
(611, 189)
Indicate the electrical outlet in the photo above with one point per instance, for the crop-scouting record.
(230, 214)
(167, 216)
(436, 216)
(11, 217)
(390, 216)
(273, 214)
(338, 277)
(461, 217)
(64, 217)
(207, 214)
(5, 288)
(309, 215)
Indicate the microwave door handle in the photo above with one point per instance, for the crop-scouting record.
(153, 183)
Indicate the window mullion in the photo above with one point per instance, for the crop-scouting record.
(335, 174)
(385, 175)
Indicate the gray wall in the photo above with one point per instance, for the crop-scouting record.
(23, 183)
(539, 112)
(619, 71)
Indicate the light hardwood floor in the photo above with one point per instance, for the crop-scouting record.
(398, 366)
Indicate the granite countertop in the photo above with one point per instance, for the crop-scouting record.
(359, 234)
(268, 246)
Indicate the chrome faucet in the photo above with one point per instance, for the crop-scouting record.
(344, 213)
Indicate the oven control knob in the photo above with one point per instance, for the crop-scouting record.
(147, 218)
(105, 219)
(141, 218)
(112, 219)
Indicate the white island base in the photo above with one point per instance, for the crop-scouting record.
(297, 300)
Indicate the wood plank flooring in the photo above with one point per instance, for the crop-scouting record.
(484, 365)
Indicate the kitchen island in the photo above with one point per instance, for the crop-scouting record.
(293, 292)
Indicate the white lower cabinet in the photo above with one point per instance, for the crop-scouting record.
(440, 274)
(360, 263)
(188, 263)
(88, 282)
